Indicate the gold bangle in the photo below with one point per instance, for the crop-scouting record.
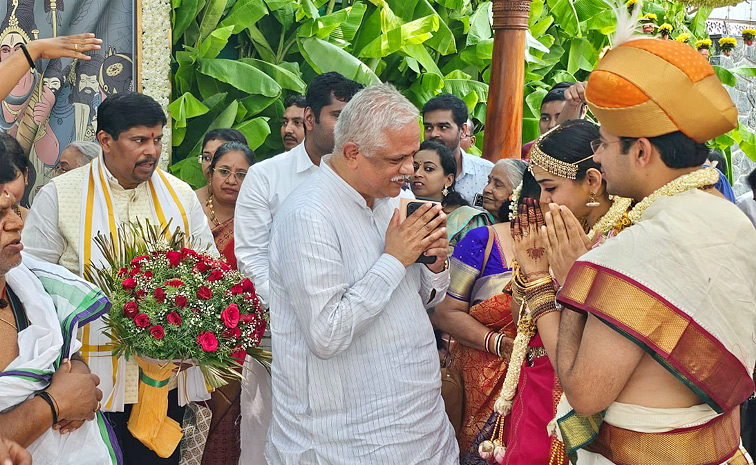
(539, 282)
(543, 288)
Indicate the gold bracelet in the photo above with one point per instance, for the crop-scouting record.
(528, 284)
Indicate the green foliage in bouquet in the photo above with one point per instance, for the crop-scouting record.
(171, 302)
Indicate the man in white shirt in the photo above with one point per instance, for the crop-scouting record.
(265, 187)
(269, 182)
(292, 123)
(355, 372)
(444, 118)
(747, 201)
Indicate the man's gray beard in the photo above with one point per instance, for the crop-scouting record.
(82, 111)
(80, 96)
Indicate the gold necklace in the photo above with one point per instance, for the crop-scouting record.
(699, 179)
(209, 205)
(8, 323)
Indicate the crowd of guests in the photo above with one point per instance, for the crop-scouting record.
(359, 330)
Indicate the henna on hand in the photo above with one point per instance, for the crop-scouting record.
(536, 253)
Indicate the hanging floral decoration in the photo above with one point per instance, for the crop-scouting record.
(703, 47)
(156, 61)
(704, 44)
(748, 36)
(665, 30)
(684, 38)
(631, 6)
(648, 23)
(726, 44)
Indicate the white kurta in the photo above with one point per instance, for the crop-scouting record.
(356, 375)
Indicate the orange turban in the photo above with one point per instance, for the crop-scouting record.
(651, 87)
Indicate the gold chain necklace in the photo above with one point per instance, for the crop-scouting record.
(209, 205)
(8, 323)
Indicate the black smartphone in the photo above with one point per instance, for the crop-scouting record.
(478, 200)
(412, 206)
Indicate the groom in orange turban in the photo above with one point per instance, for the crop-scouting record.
(656, 344)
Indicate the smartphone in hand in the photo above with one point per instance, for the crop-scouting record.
(406, 208)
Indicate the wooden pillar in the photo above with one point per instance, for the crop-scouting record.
(503, 134)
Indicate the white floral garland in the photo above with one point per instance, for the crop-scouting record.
(513, 203)
(609, 220)
(696, 180)
(156, 61)
(525, 330)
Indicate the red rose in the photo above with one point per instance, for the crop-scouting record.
(236, 289)
(232, 332)
(174, 258)
(140, 293)
(130, 309)
(175, 282)
(174, 319)
(188, 253)
(207, 341)
(247, 285)
(147, 274)
(215, 275)
(157, 331)
(135, 271)
(180, 301)
(142, 320)
(200, 267)
(239, 355)
(204, 293)
(128, 284)
(247, 318)
(159, 294)
(225, 266)
(230, 316)
(123, 272)
(137, 260)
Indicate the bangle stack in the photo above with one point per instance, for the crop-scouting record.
(497, 342)
(539, 294)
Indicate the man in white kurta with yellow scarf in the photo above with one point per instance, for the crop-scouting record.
(122, 185)
(656, 345)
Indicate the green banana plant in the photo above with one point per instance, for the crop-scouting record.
(234, 61)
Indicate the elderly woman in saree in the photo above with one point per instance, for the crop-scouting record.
(475, 312)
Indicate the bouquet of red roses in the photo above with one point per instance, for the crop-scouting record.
(173, 303)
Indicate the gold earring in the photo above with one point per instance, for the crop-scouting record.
(593, 202)
(445, 191)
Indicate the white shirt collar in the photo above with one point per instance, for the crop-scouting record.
(304, 162)
(462, 155)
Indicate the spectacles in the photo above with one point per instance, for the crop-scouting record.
(226, 173)
(596, 144)
(205, 157)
